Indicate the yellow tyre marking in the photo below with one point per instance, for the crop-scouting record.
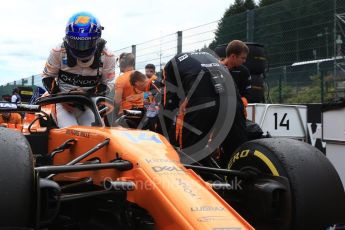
(267, 161)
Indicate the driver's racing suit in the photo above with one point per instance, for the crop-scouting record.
(63, 73)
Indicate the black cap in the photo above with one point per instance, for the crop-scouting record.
(220, 50)
(150, 66)
(15, 90)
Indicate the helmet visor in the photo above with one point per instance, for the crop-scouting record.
(83, 55)
(81, 43)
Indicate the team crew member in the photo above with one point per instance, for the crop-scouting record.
(10, 118)
(152, 98)
(237, 134)
(80, 63)
(150, 71)
(190, 127)
(15, 96)
(126, 96)
(233, 56)
(141, 83)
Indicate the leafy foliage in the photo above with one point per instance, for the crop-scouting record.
(291, 30)
(267, 2)
(295, 93)
(230, 28)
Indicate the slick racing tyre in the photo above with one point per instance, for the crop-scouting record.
(314, 185)
(16, 181)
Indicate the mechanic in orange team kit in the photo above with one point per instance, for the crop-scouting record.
(152, 97)
(80, 63)
(150, 71)
(10, 118)
(126, 96)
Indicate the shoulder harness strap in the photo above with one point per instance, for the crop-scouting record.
(97, 59)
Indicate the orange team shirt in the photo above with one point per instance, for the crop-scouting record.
(15, 118)
(130, 97)
(153, 78)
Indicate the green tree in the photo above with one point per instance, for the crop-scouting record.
(268, 2)
(291, 30)
(240, 6)
(233, 23)
(249, 5)
(293, 93)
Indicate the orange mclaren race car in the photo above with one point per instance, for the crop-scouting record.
(115, 178)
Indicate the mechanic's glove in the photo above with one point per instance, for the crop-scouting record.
(99, 89)
(245, 105)
(51, 85)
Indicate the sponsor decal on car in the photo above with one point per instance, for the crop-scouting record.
(207, 208)
(142, 137)
(77, 133)
(214, 218)
(187, 188)
(229, 228)
(167, 169)
(151, 161)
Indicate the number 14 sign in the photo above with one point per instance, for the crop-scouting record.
(280, 120)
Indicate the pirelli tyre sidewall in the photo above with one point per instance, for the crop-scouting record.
(315, 186)
(17, 183)
(256, 157)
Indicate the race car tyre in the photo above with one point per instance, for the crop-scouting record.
(317, 195)
(17, 200)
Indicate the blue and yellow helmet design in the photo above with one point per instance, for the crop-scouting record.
(83, 30)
